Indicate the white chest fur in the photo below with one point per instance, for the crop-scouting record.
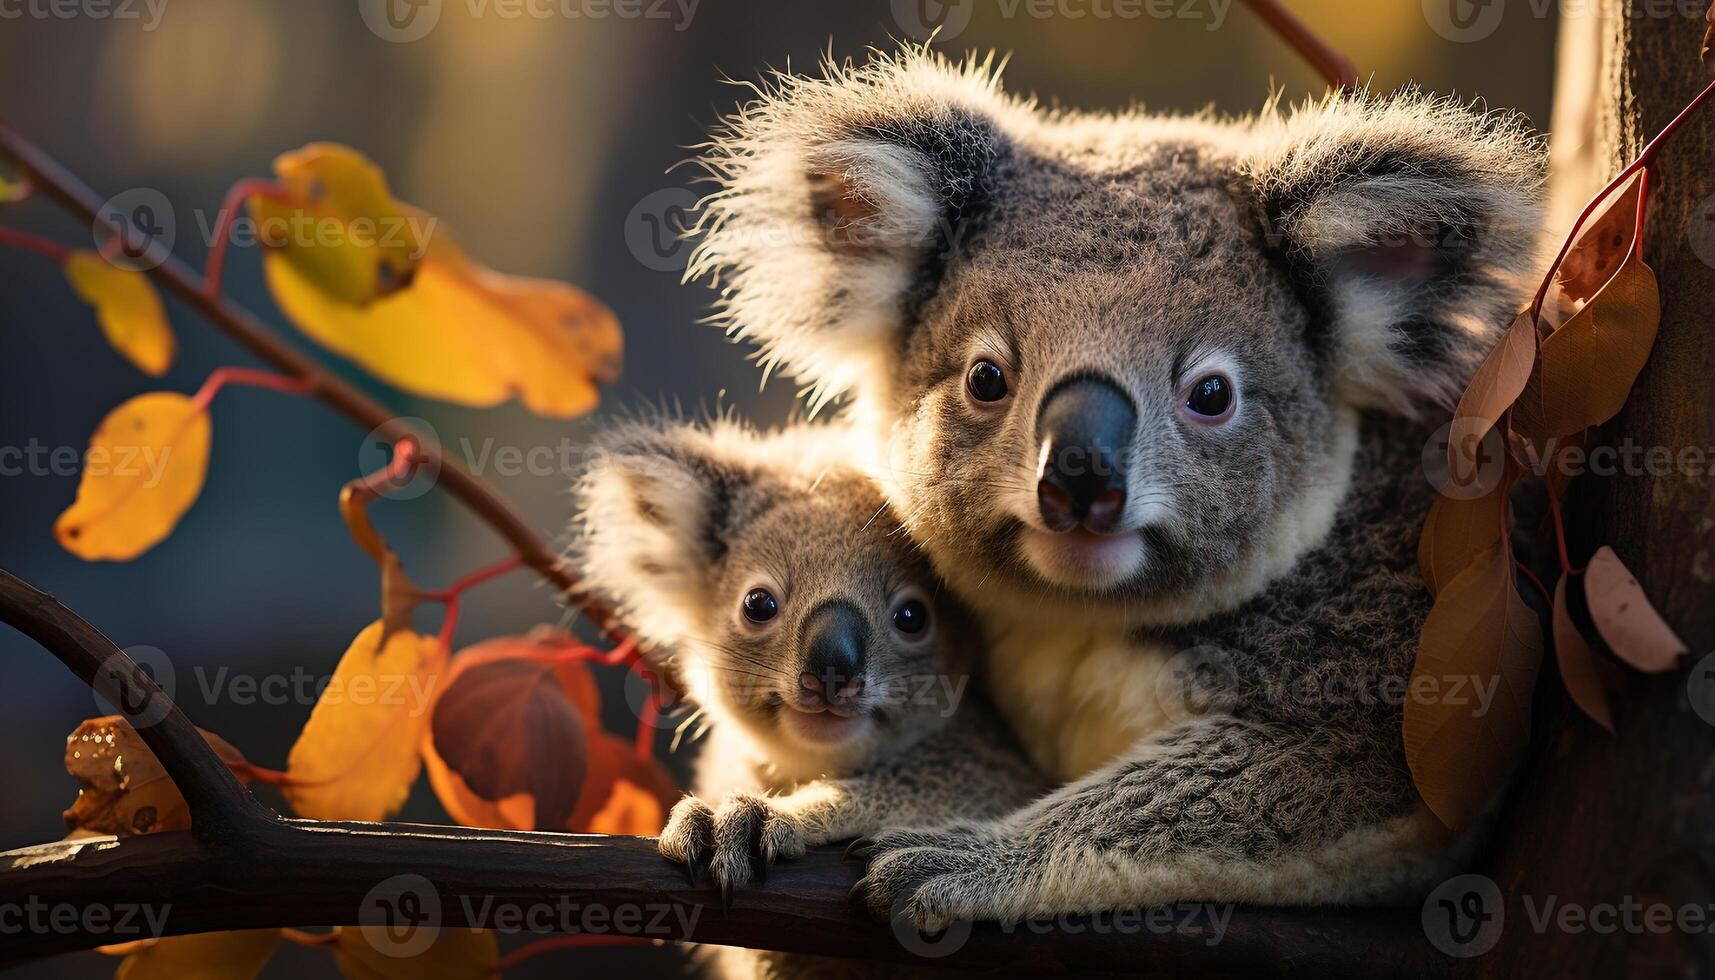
(1077, 699)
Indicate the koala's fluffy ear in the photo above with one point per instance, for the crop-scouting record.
(1410, 222)
(653, 508)
(839, 199)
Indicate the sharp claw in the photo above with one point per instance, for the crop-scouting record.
(858, 892)
(860, 849)
(726, 896)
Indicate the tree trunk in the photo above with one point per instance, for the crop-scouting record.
(1607, 826)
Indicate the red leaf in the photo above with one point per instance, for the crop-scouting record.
(507, 726)
(1623, 614)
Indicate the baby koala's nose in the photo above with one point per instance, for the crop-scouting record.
(835, 636)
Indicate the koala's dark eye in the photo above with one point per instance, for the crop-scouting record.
(986, 382)
(911, 618)
(1211, 398)
(760, 606)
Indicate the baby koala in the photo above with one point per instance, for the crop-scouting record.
(769, 580)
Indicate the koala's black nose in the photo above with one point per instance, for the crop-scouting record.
(835, 636)
(1083, 432)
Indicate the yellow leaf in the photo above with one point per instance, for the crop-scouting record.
(144, 469)
(338, 224)
(358, 755)
(128, 309)
(122, 788)
(1467, 714)
(465, 334)
(1578, 672)
(457, 953)
(210, 956)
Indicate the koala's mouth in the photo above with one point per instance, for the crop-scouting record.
(1083, 559)
(825, 727)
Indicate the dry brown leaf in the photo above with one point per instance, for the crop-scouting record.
(210, 956)
(1467, 719)
(1457, 532)
(1498, 383)
(1588, 364)
(122, 788)
(1578, 664)
(1708, 52)
(1624, 616)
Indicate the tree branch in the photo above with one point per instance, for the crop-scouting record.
(56, 183)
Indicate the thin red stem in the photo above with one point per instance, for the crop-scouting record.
(1333, 66)
(1643, 160)
(249, 378)
(1522, 567)
(236, 198)
(474, 579)
(1560, 534)
(34, 243)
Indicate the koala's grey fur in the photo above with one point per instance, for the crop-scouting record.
(679, 523)
(1346, 263)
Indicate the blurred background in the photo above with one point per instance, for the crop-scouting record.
(542, 132)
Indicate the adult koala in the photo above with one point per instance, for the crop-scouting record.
(1144, 385)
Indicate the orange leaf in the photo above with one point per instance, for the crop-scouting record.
(380, 952)
(340, 226)
(1498, 383)
(1457, 532)
(506, 725)
(1467, 720)
(1623, 615)
(144, 469)
(122, 787)
(463, 333)
(210, 956)
(358, 755)
(625, 793)
(128, 309)
(1578, 664)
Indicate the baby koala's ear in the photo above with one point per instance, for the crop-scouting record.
(1409, 223)
(653, 512)
(839, 197)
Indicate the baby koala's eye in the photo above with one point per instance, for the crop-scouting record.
(986, 382)
(1210, 398)
(760, 606)
(912, 617)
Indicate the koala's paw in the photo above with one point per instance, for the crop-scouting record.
(689, 837)
(933, 878)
